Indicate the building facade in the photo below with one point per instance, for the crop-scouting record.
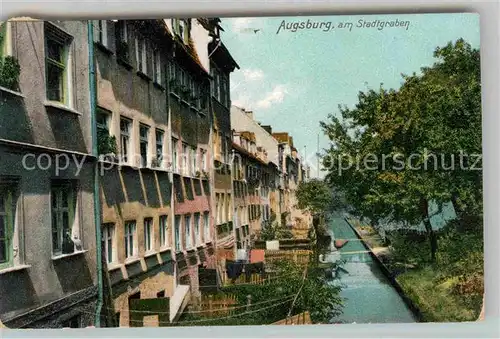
(48, 267)
(222, 65)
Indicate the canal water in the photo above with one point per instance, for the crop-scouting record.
(369, 296)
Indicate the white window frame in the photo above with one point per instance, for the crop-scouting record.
(188, 237)
(141, 47)
(10, 227)
(52, 32)
(144, 140)
(163, 223)
(108, 237)
(197, 233)
(59, 189)
(126, 138)
(175, 155)
(130, 239)
(102, 32)
(148, 235)
(160, 146)
(157, 67)
(203, 159)
(185, 155)
(194, 154)
(178, 232)
(206, 225)
(124, 36)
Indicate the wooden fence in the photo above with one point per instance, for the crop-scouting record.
(303, 318)
(254, 279)
(300, 257)
(219, 305)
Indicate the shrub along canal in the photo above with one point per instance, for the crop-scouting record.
(370, 297)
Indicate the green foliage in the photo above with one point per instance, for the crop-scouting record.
(460, 253)
(314, 195)
(106, 144)
(9, 73)
(408, 250)
(272, 302)
(274, 231)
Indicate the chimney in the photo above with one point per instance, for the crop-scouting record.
(267, 128)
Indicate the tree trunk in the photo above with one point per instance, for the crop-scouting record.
(424, 209)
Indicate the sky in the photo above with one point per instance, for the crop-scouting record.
(293, 80)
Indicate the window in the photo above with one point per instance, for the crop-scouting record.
(108, 235)
(172, 77)
(197, 187)
(74, 322)
(157, 67)
(159, 147)
(185, 155)
(160, 294)
(175, 156)
(102, 31)
(163, 230)
(148, 230)
(57, 64)
(189, 188)
(141, 54)
(181, 28)
(125, 129)
(105, 143)
(197, 228)
(187, 231)
(121, 29)
(121, 35)
(206, 187)
(194, 155)
(206, 225)
(63, 203)
(203, 160)
(177, 232)
(130, 229)
(6, 42)
(144, 143)
(6, 226)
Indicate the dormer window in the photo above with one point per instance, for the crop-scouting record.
(181, 28)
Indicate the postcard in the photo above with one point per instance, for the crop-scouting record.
(240, 171)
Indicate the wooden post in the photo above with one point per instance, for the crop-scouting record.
(210, 305)
(249, 302)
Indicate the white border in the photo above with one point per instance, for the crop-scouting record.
(489, 12)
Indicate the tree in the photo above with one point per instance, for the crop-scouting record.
(314, 196)
(383, 152)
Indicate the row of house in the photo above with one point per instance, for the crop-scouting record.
(126, 176)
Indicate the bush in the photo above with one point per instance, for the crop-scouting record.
(9, 73)
(409, 248)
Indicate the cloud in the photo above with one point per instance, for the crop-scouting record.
(252, 74)
(275, 96)
(243, 101)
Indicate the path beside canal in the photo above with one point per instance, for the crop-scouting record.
(369, 296)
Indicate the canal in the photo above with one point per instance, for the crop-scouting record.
(369, 296)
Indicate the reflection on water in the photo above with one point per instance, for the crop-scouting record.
(370, 298)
